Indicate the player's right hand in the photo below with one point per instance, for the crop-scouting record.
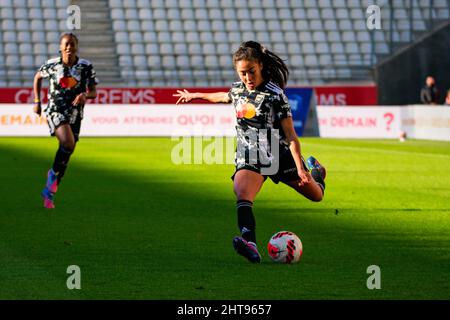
(37, 108)
(185, 96)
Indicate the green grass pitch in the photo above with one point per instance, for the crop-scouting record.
(141, 227)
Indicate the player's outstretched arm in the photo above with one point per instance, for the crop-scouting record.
(215, 97)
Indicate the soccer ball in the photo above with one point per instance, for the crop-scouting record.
(285, 247)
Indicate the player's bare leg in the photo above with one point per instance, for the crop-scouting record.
(311, 191)
(314, 190)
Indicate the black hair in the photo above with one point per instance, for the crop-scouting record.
(68, 34)
(274, 69)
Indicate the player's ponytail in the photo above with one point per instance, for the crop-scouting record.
(274, 68)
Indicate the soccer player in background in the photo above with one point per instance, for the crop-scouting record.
(72, 82)
(262, 108)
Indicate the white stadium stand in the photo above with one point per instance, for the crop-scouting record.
(190, 42)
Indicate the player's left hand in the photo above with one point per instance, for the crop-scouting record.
(184, 96)
(37, 108)
(305, 177)
(79, 99)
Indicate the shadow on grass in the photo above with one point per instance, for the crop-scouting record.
(144, 237)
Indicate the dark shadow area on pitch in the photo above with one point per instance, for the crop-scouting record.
(127, 231)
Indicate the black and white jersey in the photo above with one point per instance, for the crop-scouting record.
(67, 82)
(259, 113)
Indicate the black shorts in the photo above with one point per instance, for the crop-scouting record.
(72, 116)
(287, 169)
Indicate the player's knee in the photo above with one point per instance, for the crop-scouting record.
(242, 194)
(68, 146)
(317, 197)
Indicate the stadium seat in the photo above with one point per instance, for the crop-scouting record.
(117, 14)
(40, 60)
(203, 25)
(140, 61)
(327, 14)
(316, 25)
(263, 37)
(211, 61)
(280, 49)
(337, 48)
(168, 62)
(182, 62)
(147, 26)
(330, 25)
(135, 37)
(348, 36)
(194, 49)
(164, 37)
(305, 37)
(49, 13)
(119, 25)
(351, 48)
(121, 37)
(308, 48)
(235, 37)
(25, 48)
(8, 25)
(166, 49)
(311, 60)
(322, 48)
(53, 49)
(319, 38)
(190, 25)
(12, 60)
(206, 36)
(298, 13)
(219, 36)
(123, 49)
(287, 25)
(27, 61)
(381, 48)
(296, 60)
(365, 48)
(271, 13)
(294, 48)
(285, 14)
(325, 60)
(125, 61)
(209, 48)
(129, 4)
(150, 37)
(197, 61)
(10, 36)
(51, 37)
(11, 49)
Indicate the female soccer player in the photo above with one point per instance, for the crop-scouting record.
(72, 82)
(267, 144)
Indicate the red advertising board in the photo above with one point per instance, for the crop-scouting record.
(346, 96)
(325, 95)
(108, 95)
